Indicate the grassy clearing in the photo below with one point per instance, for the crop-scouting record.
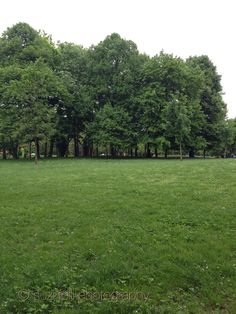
(166, 229)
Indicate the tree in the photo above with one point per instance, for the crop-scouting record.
(113, 77)
(21, 44)
(178, 124)
(9, 114)
(110, 128)
(232, 127)
(212, 104)
(163, 77)
(78, 109)
(226, 132)
(64, 93)
(30, 96)
(113, 62)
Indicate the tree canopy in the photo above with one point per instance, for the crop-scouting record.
(109, 99)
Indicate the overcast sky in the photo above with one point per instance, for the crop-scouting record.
(181, 27)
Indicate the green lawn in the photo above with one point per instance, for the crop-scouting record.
(163, 228)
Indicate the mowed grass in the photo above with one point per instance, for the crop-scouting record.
(163, 228)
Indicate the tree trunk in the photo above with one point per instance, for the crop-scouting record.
(91, 150)
(180, 151)
(166, 153)
(191, 153)
(85, 149)
(62, 147)
(225, 153)
(112, 150)
(50, 153)
(46, 150)
(30, 149)
(4, 152)
(156, 153)
(76, 146)
(204, 153)
(15, 151)
(36, 151)
(148, 151)
(76, 137)
(136, 152)
(67, 151)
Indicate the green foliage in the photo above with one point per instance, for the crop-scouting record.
(22, 44)
(226, 132)
(27, 97)
(113, 67)
(178, 123)
(111, 127)
(212, 105)
(107, 95)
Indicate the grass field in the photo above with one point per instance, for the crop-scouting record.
(118, 236)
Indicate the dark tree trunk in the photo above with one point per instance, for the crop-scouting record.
(76, 146)
(113, 152)
(45, 149)
(67, 152)
(148, 151)
(37, 149)
(180, 151)
(156, 153)
(91, 151)
(15, 151)
(51, 146)
(97, 152)
(30, 149)
(136, 152)
(4, 152)
(204, 153)
(62, 147)
(85, 149)
(225, 153)
(166, 153)
(191, 153)
(76, 137)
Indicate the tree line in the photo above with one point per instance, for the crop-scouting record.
(62, 99)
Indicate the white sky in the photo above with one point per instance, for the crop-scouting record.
(181, 27)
